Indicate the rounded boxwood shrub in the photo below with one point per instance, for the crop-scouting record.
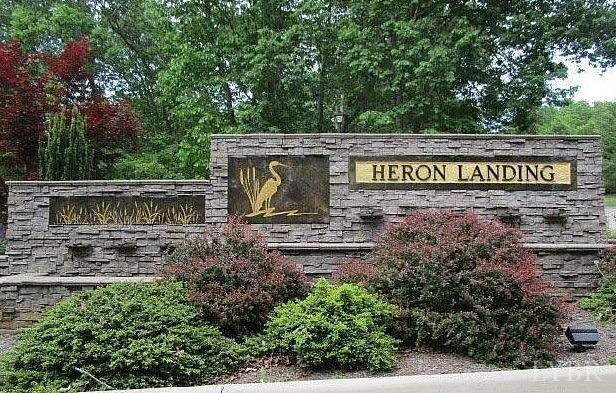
(463, 284)
(338, 325)
(234, 279)
(126, 335)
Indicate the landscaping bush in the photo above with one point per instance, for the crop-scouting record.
(354, 271)
(464, 284)
(234, 279)
(607, 263)
(68, 153)
(341, 325)
(126, 335)
(602, 302)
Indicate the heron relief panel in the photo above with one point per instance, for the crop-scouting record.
(279, 189)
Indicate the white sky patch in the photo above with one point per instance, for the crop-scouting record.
(593, 83)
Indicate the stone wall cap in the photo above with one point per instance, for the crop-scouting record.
(370, 245)
(567, 246)
(39, 279)
(86, 183)
(321, 246)
(407, 136)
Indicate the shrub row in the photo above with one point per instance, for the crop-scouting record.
(437, 279)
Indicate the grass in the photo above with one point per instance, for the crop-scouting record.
(610, 200)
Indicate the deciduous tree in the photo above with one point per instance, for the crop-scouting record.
(35, 84)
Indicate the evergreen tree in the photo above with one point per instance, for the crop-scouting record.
(67, 154)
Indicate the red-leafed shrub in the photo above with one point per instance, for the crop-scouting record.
(354, 271)
(233, 277)
(464, 284)
(110, 124)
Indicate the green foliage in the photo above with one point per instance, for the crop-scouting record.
(4, 245)
(67, 154)
(581, 118)
(602, 302)
(127, 335)
(342, 325)
(156, 160)
(193, 68)
(610, 200)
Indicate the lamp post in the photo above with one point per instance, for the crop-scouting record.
(338, 113)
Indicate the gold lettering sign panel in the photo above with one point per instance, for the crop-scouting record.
(279, 189)
(462, 172)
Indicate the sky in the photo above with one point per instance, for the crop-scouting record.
(594, 85)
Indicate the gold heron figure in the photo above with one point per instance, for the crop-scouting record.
(258, 195)
(270, 188)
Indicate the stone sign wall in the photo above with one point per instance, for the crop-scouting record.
(319, 198)
(556, 195)
(102, 228)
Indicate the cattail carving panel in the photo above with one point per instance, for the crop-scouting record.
(122, 210)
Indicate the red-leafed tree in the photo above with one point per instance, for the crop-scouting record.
(34, 84)
(23, 104)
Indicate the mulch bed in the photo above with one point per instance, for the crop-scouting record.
(424, 362)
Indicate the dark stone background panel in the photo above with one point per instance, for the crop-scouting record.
(304, 188)
(126, 210)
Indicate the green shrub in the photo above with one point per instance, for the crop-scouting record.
(126, 335)
(234, 279)
(340, 325)
(607, 263)
(466, 285)
(602, 302)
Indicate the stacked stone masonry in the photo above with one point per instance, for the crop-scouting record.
(123, 251)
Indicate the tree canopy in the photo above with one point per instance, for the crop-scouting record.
(580, 118)
(196, 67)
